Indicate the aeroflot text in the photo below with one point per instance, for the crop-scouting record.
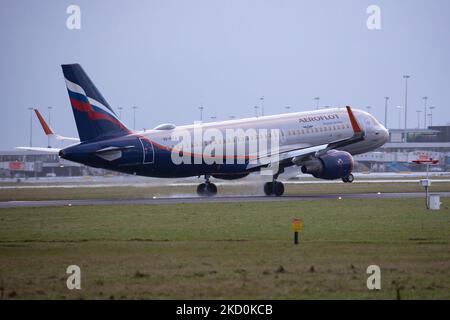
(319, 118)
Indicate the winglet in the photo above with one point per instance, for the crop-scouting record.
(354, 122)
(48, 131)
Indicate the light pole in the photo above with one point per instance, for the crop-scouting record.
(425, 111)
(288, 108)
(256, 111)
(399, 116)
(232, 117)
(386, 99)
(120, 112)
(317, 102)
(31, 126)
(134, 117)
(368, 109)
(418, 118)
(213, 118)
(431, 115)
(201, 113)
(262, 106)
(406, 77)
(49, 123)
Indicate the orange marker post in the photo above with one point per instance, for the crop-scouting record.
(297, 226)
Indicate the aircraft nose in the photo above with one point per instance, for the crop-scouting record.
(381, 134)
(385, 134)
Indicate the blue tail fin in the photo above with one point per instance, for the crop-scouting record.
(94, 117)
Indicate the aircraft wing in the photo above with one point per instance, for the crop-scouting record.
(40, 149)
(297, 155)
(49, 132)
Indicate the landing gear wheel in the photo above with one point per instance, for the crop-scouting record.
(206, 189)
(278, 189)
(348, 179)
(268, 188)
(212, 189)
(201, 189)
(274, 188)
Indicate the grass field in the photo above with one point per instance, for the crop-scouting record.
(227, 250)
(256, 188)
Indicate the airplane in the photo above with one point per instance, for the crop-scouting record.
(49, 132)
(321, 142)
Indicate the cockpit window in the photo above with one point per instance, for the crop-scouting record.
(375, 122)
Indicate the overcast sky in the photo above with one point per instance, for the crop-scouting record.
(169, 57)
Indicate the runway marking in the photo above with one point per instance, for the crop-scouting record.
(216, 199)
(190, 184)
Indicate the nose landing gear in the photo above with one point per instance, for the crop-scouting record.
(348, 179)
(207, 189)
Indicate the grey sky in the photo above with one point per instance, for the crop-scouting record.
(168, 57)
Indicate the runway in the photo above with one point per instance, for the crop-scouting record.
(216, 199)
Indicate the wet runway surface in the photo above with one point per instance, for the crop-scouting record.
(216, 199)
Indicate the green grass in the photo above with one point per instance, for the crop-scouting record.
(227, 250)
(256, 188)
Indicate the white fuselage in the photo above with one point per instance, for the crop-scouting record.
(298, 130)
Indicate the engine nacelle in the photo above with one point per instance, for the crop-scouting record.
(332, 165)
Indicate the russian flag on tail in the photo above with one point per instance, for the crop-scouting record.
(94, 117)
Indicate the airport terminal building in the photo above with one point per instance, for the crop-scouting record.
(24, 164)
(404, 146)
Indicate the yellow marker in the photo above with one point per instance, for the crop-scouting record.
(297, 225)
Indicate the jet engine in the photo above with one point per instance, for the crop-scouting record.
(332, 165)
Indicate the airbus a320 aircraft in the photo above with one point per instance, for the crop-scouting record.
(321, 142)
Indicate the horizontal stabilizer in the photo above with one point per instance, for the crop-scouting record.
(40, 149)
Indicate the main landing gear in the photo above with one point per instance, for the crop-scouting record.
(348, 179)
(207, 188)
(274, 188)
